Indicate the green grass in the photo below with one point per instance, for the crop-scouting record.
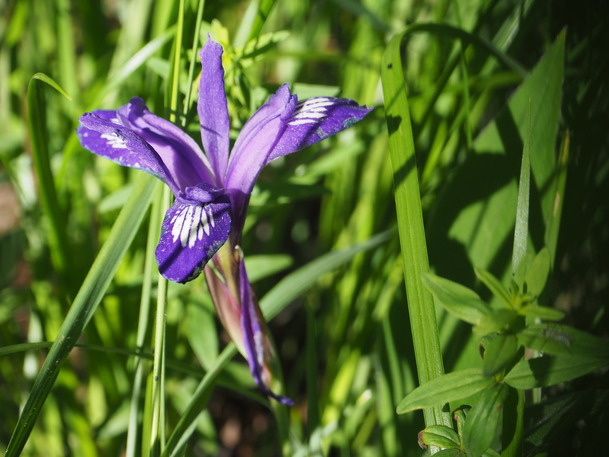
(487, 143)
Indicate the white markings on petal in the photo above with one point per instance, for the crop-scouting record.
(114, 140)
(190, 223)
(311, 111)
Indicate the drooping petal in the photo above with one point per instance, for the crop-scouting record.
(191, 233)
(257, 347)
(181, 155)
(316, 119)
(255, 142)
(213, 110)
(102, 133)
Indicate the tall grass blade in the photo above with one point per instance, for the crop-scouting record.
(410, 225)
(58, 241)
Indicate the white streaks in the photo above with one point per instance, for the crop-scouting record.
(189, 224)
(113, 140)
(311, 111)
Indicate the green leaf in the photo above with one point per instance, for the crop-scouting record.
(485, 225)
(450, 453)
(482, 423)
(499, 320)
(541, 312)
(449, 387)
(83, 307)
(500, 352)
(494, 285)
(440, 436)
(537, 273)
(457, 299)
(556, 339)
(549, 370)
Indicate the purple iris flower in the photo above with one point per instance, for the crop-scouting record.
(212, 188)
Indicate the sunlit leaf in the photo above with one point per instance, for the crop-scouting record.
(446, 388)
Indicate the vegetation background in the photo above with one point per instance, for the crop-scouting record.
(320, 240)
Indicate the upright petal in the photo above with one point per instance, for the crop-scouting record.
(213, 111)
(257, 139)
(257, 347)
(102, 133)
(192, 232)
(181, 155)
(316, 119)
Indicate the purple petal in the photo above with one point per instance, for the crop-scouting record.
(316, 119)
(102, 133)
(257, 348)
(255, 142)
(213, 111)
(191, 234)
(181, 155)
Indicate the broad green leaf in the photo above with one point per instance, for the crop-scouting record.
(457, 299)
(499, 320)
(449, 387)
(549, 370)
(482, 423)
(500, 353)
(83, 307)
(450, 453)
(556, 339)
(486, 223)
(440, 436)
(541, 312)
(537, 273)
(494, 285)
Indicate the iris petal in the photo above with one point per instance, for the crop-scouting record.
(102, 133)
(179, 152)
(213, 110)
(191, 234)
(257, 347)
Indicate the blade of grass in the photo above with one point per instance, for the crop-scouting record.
(254, 18)
(156, 216)
(158, 423)
(58, 241)
(81, 311)
(410, 225)
(521, 230)
(553, 226)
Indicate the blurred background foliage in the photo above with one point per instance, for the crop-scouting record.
(345, 344)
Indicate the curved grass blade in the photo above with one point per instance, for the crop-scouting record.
(58, 240)
(83, 307)
(286, 290)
